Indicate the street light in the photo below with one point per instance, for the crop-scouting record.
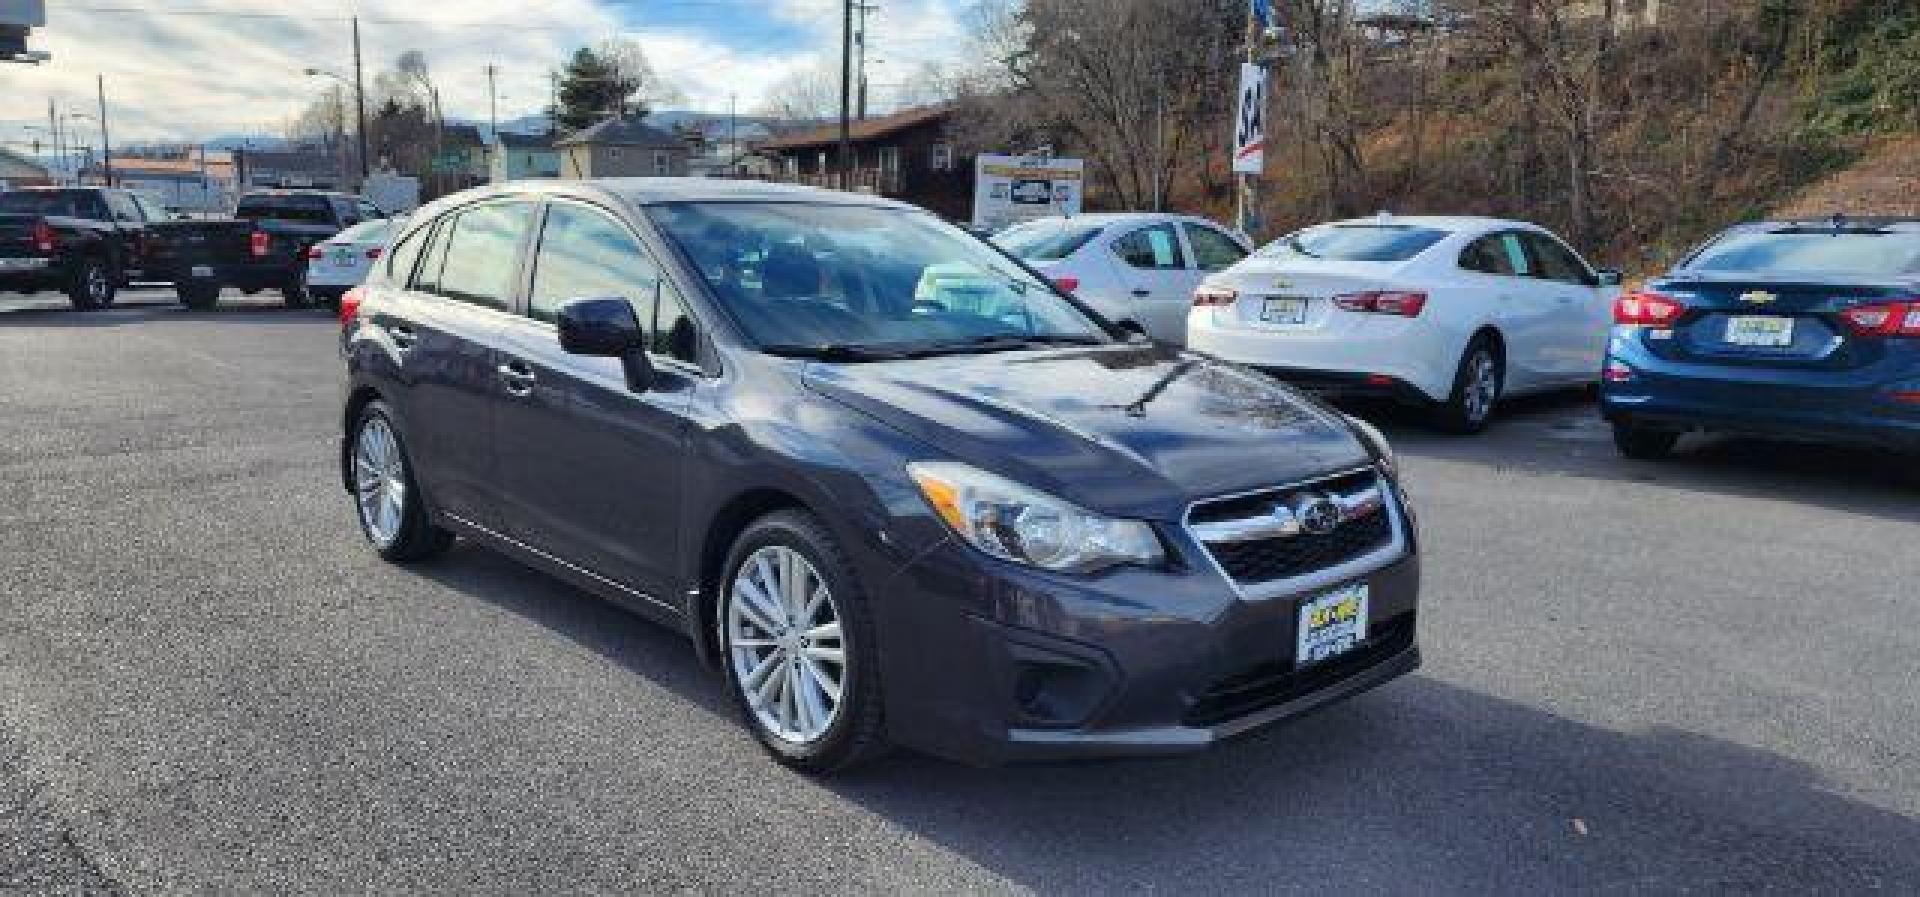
(359, 104)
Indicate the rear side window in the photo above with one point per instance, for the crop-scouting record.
(1046, 241)
(400, 260)
(482, 253)
(1502, 254)
(585, 254)
(1809, 251)
(1155, 248)
(1355, 243)
(1213, 250)
(56, 203)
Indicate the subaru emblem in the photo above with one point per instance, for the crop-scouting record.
(1318, 514)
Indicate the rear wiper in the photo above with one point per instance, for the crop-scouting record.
(831, 352)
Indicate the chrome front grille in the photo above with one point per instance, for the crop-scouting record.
(1294, 532)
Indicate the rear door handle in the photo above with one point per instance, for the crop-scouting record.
(1142, 294)
(519, 378)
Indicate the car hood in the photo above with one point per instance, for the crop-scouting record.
(1132, 430)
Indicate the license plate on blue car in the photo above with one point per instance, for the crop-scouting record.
(1763, 331)
(1331, 625)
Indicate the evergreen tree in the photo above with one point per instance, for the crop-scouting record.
(593, 87)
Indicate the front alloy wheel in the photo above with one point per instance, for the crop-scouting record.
(386, 494)
(785, 646)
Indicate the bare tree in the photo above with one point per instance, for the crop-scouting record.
(808, 95)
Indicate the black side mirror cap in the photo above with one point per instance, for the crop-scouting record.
(607, 328)
(1609, 277)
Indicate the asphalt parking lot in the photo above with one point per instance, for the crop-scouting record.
(1702, 675)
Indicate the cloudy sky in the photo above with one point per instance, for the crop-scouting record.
(191, 69)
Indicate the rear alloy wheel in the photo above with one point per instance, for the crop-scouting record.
(1643, 443)
(387, 495)
(92, 286)
(1476, 390)
(796, 644)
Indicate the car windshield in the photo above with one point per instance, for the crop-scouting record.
(366, 232)
(1857, 252)
(303, 209)
(822, 279)
(1046, 241)
(1354, 243)
(58, 203)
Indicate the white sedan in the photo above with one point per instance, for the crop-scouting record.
(1451, 313)
(343, 260)
(1136, 269)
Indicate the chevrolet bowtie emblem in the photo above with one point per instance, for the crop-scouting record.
(1758, 297)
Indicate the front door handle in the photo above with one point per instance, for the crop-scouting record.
(519, 378)
(1142, 294)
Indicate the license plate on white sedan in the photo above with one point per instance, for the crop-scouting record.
(1331, 625)
(341, 257)
(1286, 310)
(1762, 331)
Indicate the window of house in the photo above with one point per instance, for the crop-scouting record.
(662, 163)
(942, 157)
(822, 159)
(1154, 248)
(890, 158)
(482, 253)
(613, 152)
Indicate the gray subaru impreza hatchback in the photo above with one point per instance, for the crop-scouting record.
(894, 486)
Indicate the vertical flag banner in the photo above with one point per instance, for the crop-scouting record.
(1250, 124)
(1263, 13)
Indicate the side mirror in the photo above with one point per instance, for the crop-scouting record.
(1609, 277)
(607, 328)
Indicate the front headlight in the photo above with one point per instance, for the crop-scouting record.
(1015, 523)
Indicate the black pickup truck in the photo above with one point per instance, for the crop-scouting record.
(86, 242)
(262, 247)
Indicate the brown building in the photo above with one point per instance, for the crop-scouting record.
(19, 171)
(909, 156)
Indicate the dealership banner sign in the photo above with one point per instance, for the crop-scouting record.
(1010, 189)
(1250, 124)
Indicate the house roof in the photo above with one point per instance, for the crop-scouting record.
(526, 141)
(623, 132)
(869, 129)
(462, 134)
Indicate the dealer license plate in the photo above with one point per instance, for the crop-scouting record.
(1765, 331)
(1284, 310)
(1331, 625)
(202, 271)
(341, 258)
(22, 264)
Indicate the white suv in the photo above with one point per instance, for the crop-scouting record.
(1137, 269)
(1452, 313)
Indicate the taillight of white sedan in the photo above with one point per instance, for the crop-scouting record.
(1451, 313)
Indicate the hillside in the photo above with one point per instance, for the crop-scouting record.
(1886, 181)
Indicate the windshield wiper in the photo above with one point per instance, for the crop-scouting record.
(1008, 343)
(831, 352)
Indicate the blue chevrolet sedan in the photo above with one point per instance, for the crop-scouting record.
(1784, 329)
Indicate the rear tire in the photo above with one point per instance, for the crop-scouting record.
(1643, 443)
(387, 499)
(92, 287)
(296, 292)
(767, 634)
(1477, 385)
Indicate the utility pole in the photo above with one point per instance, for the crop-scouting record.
(733, 136)
(846, 95)
(106, 142)
(360, 102)
(493, 116)
(860, 65)
(59, 149)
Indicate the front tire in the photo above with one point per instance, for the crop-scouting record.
(797, 643)
(1477, 385)
(386, 493)
(1643, 443)
(92, 287)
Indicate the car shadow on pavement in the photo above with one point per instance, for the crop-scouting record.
(1418, 787)
(1562, 433)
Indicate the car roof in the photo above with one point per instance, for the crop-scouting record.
(1443, 222)
(1903, 223)
(652, 191)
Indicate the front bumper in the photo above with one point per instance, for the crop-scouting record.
(987, 663)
